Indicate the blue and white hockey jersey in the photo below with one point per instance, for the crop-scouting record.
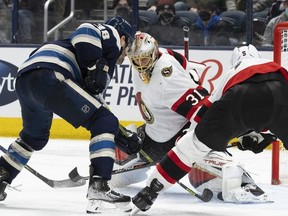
(81, 49)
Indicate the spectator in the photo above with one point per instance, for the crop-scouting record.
(59, 10)
(122, 8)
(209, 29)
(3, 23)
(178, 5)
(86, 7)
(193, 5)
(170, 26)
(26, 9)
(268, 38)
(275, 10)
(260, 7)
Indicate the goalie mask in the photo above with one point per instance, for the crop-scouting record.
(244, 52)
(143, 55)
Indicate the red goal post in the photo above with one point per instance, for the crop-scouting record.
(281, 57)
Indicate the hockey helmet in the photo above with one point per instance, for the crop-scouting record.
(143, 54)
(244, 52)
(123, 27)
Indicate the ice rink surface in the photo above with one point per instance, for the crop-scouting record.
(59, 157)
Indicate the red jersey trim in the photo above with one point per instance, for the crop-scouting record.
(269, 67)
(177, 161)
(165, 175)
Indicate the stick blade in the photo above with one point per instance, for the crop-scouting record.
(74, 175)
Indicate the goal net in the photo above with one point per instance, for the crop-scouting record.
(279, 154)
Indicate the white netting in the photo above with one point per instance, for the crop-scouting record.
(284, 48)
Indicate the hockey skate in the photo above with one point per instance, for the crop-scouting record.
(99, 194)
(3, 176)
(146, 197)
(247, 193)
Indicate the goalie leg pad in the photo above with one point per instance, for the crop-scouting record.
(127, 178)
(208, 172)
(231, 181)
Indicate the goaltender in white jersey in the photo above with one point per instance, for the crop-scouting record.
(168, 95)
(161, 101)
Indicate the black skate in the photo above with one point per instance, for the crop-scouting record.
(146, 197)
(3, 176)
(100, 193)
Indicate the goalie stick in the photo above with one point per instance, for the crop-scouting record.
(75, 176)
(186, 41)
(65, 183)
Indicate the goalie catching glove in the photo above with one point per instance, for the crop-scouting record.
(255, 142)
(97, 77)
(128, 141)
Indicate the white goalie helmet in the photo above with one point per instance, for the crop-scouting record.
(244, 52)
(143, 54)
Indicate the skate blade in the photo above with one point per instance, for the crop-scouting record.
(94, 206)
(100, 207)
(134, 211)
(124, 206)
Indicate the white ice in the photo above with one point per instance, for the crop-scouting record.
(59, 157)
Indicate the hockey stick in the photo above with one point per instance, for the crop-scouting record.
(186, 42)
(75, 176)
(65, 183)
(207, 194)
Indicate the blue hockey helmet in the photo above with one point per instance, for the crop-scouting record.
(123, 27)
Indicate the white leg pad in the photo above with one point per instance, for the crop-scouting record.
(127, 178)
(231, 180)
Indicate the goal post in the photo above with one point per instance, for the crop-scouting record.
(280, 53)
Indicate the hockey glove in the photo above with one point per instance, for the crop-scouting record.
(255, 142)
(97, 77)
(128, 142)
(195, 69)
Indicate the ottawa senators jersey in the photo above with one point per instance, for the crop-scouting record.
(169, 100)
(243, 71)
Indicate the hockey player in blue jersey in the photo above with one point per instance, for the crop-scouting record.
(63, 77)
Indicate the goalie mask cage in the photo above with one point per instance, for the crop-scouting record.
(279, 154)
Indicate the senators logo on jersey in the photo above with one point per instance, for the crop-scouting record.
(167, 71)
(145, 112)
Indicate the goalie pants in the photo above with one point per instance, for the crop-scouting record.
(256, 104)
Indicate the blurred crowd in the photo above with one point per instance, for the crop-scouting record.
(210, 22)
